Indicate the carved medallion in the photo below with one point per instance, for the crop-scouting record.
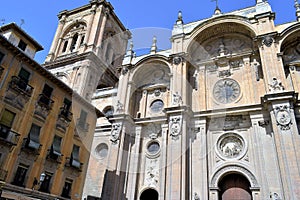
(226, 91)
(175, 126)
(115, 133)
(231, 146)
(283, 117)
(268, 40)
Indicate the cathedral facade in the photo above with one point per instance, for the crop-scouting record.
(216, 116)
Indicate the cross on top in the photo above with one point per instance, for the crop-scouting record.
(216, 3)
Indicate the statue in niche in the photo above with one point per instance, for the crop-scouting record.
(275, 85)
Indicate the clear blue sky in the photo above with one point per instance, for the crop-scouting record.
(40, 16)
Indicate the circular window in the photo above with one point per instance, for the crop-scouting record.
(101, 150)
(157, 106)
(153, 148)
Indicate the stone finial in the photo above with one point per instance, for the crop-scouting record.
(259, 1)
(130, 51)
(179, 18)
(297, 6)
(153, 47)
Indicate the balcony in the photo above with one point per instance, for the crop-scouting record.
(31, 147)
(43, 106)
(64, 119)
(82, 125)
(74, 164)
(7, 136)
(54, 156)
(18, 92)
(3, 174)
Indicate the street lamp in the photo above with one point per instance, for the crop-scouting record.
(39, 182)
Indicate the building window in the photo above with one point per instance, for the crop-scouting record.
(24, 79)
(45, 185)
(74, 41)
(45, 97)
(65, 46)
(55, 151)
(82, 120)
(74, 161)
(20, 175)
(6, 122)
(22, 45)
(108, 111)
(67, 189)
(1, 56)
(33, 140)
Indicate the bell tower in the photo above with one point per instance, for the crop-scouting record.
(89, 44)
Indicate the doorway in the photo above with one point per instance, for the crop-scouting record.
(149, 194)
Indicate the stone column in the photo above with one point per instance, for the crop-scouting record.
(102, 28)
(134, 164)
(89, 26)
(163, 167)
(286, 138)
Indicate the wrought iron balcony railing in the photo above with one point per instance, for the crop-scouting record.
(8, 136)
(45, 101)
(66, 114)
(20, 86)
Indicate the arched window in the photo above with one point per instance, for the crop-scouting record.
(74, 41)
(234, 186)
(65, 46)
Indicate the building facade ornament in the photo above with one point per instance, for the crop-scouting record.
(152, 173)
(115, 133)
(175, 126)
(274, 196)
(275, 85)
(283, 117)
(177, 60)
(120, 107)
(231, 146)
(226, 91)
(267, 40)
(177, 99)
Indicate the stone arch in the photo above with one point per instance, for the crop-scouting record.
(223, 171)
(150, 78)
(216, 26)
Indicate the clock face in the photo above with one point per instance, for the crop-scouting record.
(226, 91)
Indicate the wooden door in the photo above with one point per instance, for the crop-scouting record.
(235, 187)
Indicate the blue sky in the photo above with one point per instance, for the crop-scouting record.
(140, 16)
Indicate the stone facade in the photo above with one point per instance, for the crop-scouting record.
(221, 105)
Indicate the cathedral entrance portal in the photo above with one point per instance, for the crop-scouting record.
(149, 194)
(234, 187)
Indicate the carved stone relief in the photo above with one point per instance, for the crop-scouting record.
(231, 146)
(268, 40)
(153, 130)
(283, 117)
(275, 85)
(152, 173)
(226, 91)
(175, 126)
(274, 196)
(229, 122)
(115, 133)
(120, 107)
(176, 99)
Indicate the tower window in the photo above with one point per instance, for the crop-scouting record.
(20, 175)
(74, 41)
(22, 45)
(82, 40)
(65, 46)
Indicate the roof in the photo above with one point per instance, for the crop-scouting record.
(14, 26)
